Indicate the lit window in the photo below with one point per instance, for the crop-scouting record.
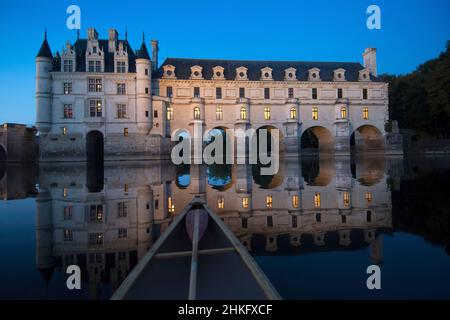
(243, 113)
(346, 199)
(95, 85)
(219, 113)
(121, 67)
(368, 197)
(169, 92)
(293, 113)
(68, 66)
(269, 201)
(96, 238)
(169, 113)
(365, 113)
(68, 235)
(343, 113)
(290, 93)
(317, 200)
(314, 93)
(125, 132)
(315, 113)
(122, 209)
(121, 88)
(65, 192)
(67, 87)
(220, 202)
(170, 205)
(68, 112)
(64, 131)
(266, 113)
(121, 111)
(197, 113)
(295, 201)
(95, 108)
(245, 202)
(96, 213)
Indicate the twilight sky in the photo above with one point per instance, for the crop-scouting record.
(316, 30)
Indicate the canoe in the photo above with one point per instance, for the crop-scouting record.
(197, 257)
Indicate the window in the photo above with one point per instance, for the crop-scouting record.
(241, 92)
(343, 219)
(243, 113)
(64, 131)
(67, 87)
(68, 213)
(121, 88)
(269, 221)
(125, 187)
(314, 93)
(122, 256)
(169, 113)
(65, 192)
(218, 93)
(96, 239)
(295, 201)
(368, 197)
(146, 91)
(68, 112)
(290, 93)
(122, 209)
(95, 85)
(317, 200)
(346, 199)
(315, 113)
(318, 217)
(122, 233)
(369, 216)
(266, 93)
(294, 222)
(197, 113)
(365, 94)
(170, 205)
(68, 235)
(365, 113)
(266, 113)
(146, 72)
(121, 111)
(155, 114)
(293, 113)
(95, 108)
(196, 92)
(169, 92)
(245, 202)
(220, 202)
(96, 213)
(68, 66)
(244, 223)
(219, 113)
(125, 132)
(339, 93)
(95, 66)
(269, 201)
(343, 113)
(121, 67)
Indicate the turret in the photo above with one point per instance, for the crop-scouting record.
(144, 81)
(370, 60)
(44, 65)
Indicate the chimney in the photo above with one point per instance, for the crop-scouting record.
(155, 50)
(112, 40)
(370, 60)
(92, 34)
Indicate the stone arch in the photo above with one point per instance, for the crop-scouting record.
(95, 146)
(367, 138)
(3, 155)
(317, 139)
(211, 134)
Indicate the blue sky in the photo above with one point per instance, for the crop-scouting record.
(320, 30)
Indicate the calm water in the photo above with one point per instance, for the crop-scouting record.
(313, 228)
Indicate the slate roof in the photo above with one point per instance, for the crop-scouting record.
(183, 68)
(45, 50)
(142, 53)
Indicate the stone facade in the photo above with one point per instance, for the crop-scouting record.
(17, 143)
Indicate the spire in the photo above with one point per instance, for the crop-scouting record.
(45, 51)
(143, 36)
(126, 33)
(78, 34)
(143, 52)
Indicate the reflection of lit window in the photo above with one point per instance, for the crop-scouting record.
(125, 132)
(96, 238)
(220, 202)
(65, 192)
(169, 113)
(368, 197)
(68, 235)
(125, 187)
(68, 213)
(64, 131)
(346, 197)
(365, 113)
(295, 201)
(96, 213)
(244, 223)
(315, 113)
(219, 113)
(266, 113)
(245, 202)
(343, 113)
(122, 233)
(197, 113)
(343, 219)
(170, 205)
(317, 200)
(243, 113)
(293, 113)
(269, 201)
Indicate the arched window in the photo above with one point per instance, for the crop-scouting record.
(343, 113)
(266, 113)
(293, 113)
(219, 113)
(365, 113)
(169, 113)
(243, 113)
(315, 113)
(197, 113)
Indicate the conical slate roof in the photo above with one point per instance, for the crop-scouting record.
(45, 51)
(143, 52)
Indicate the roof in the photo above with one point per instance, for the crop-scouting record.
(183, 68)
(45, 50)
(142, 53)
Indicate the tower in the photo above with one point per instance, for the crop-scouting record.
(44, 65)
(370, 60)
(143, 84)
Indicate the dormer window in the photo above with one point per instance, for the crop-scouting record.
(266, 73)
(68, 58)
(364, 75)
(196, 72)
(241, 73)
(68, 65)
(121, 59)
(314, 74)
(290, 74)
(218, 73)
(339, 74)
(169, 71)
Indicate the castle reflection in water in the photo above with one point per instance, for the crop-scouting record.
(105, 219)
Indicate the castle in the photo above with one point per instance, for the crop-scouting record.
(100, 99)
